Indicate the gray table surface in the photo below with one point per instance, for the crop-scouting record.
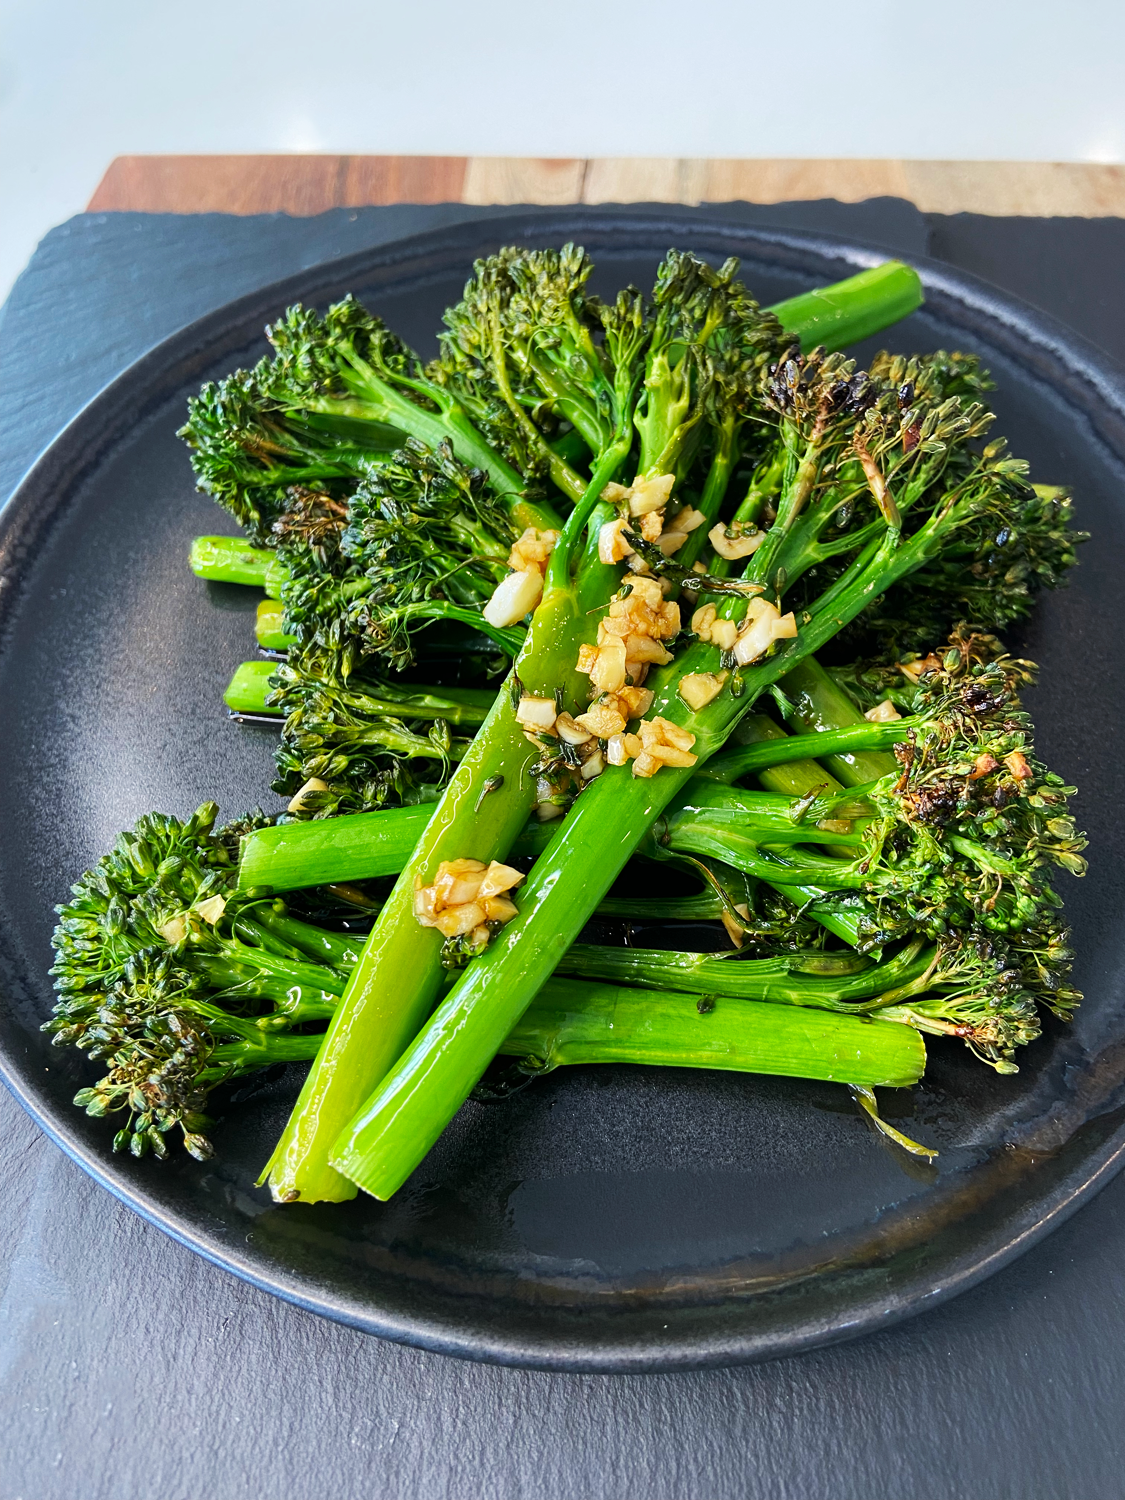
(129, 1368)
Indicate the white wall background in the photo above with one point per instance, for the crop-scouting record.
(82, 81)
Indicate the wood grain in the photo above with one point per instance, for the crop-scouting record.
(311, 184)
(299, 185)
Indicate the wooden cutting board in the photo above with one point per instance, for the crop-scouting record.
(309, 184)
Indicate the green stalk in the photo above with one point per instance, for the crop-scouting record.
(848, 311)
(365, 846)
(789, 979)
(231, 559)
(269, 627)
(821, 704)
(571, 1022)
(337, 950)
(249, 1055)
(755, 760)
(294, 1003)
(250, 687)
(358, 846)
(799, 778)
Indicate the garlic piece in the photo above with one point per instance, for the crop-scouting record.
(663, 744)
(768, 626)
(532, 550)
(883, 713)
(739, 539)
(602, 720)
(698, 689)
(708, 627)
(514, 597)
(458, 881)
(702, 621)
(612, 546)
(498, 878)
(592, 766)
(608, 672)
(678, 529)
(687, 520)
(211, 909)
(314, 784)
(536, 714)
(645, 765)
(426, 904)
(615, 752)
(174, 930)
(642, 648)
(455, 921)
(652, 524)
(500, 909)
(614, 493)
(634, 702)
(650, 494)
(570, 731)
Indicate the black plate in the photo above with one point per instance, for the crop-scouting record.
(606, 1218)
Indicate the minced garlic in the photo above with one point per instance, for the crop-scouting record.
(513, 597)
(520, 593)
(739, 539)
(466, 899)
(537, 715)
(644, 506)
(698, 689)
(532, 551)
(629, 637)
(883, 713)
(764, 624)
(663, 744)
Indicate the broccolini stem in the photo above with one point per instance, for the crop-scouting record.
(819, 703)
(269, 626)
(572, 1022)
(848, 311)
(235, 1059)
(751, 760)
(250, 689)
(790, 979)
(231, 559)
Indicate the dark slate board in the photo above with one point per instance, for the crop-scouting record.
(130, 1368)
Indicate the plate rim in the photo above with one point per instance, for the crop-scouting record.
(1070, 366)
